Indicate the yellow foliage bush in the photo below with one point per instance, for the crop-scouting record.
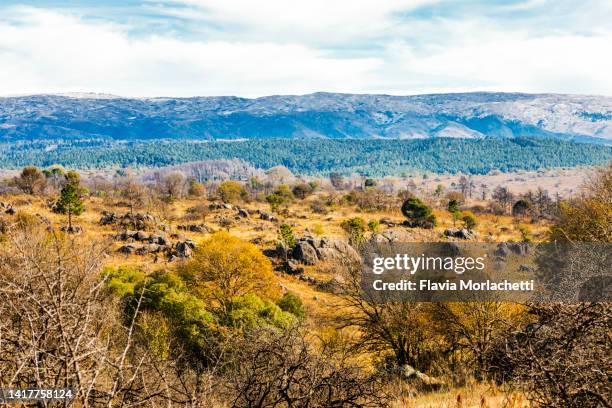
(224, 266)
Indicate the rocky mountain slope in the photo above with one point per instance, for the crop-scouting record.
(319, 115)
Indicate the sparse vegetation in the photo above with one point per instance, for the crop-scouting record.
(167, 307)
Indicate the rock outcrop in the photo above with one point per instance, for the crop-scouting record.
(311, 250)
(460, 233)
(135, 221)
(143, 243)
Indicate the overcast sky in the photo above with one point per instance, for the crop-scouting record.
(261, 47)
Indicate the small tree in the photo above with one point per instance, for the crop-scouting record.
(418, 213)
(173, 186)
(453, 205)
(439, 190)
(355, 228)
(469, 220)
(502, 196)
(70, 203)
(286, 239)
(31, 180)
(281, 196)
(224, 267)
(301, 190)
(453, 208)
(521, 208)
(196, 189)
(230, 191)
(133, 193)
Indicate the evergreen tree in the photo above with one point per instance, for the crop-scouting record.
(418, 213)
(70, 202)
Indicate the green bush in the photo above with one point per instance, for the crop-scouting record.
(418, 212)
(293, 304)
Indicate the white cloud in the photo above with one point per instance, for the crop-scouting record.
(50, 51)
(329, 21)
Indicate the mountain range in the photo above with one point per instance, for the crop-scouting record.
(318, 115)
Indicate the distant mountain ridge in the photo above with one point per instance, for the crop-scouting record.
(318, 115)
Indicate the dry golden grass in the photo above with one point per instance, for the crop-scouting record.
(472, 396)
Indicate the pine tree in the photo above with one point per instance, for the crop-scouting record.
(70, 202)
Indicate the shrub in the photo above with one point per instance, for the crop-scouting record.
(230, 191)
(373, 225)
(369, 183)
(196, 189)
(302, 190)
(469, 220)
(286, 237)
(250, 311)
(123, 279)
(292, 304)
(225, 267)
(521, 208)
(318, 207)
(31, 180)
(354, 227)
(418, 213)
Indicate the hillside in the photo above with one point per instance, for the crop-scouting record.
(319, 115)
(376, 157)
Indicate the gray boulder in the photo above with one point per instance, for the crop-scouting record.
(394, 235)
(305, 253)
(310, 250)
(459, 233)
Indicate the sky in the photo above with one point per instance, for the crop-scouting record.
(253, 48)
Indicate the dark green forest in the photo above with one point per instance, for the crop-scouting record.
(314, 157)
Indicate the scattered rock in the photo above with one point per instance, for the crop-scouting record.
(142, 236)
(75, 229)
(460, 233)
(505, 248)
(129, 220)
(127, 249)
(389, 222)
(293, 268)
(395, 235)
(418, 224)
(268, 217)
(202, 228)
(309, 279)
(243, 213)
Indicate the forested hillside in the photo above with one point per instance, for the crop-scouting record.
(321, 156)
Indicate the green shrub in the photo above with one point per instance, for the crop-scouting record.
(293, 304)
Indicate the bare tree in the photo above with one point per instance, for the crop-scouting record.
(503, 197)
(134, 194)
(393, 326)
(280, 369)
(563, 360)
(173, 185)
(60, 330)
